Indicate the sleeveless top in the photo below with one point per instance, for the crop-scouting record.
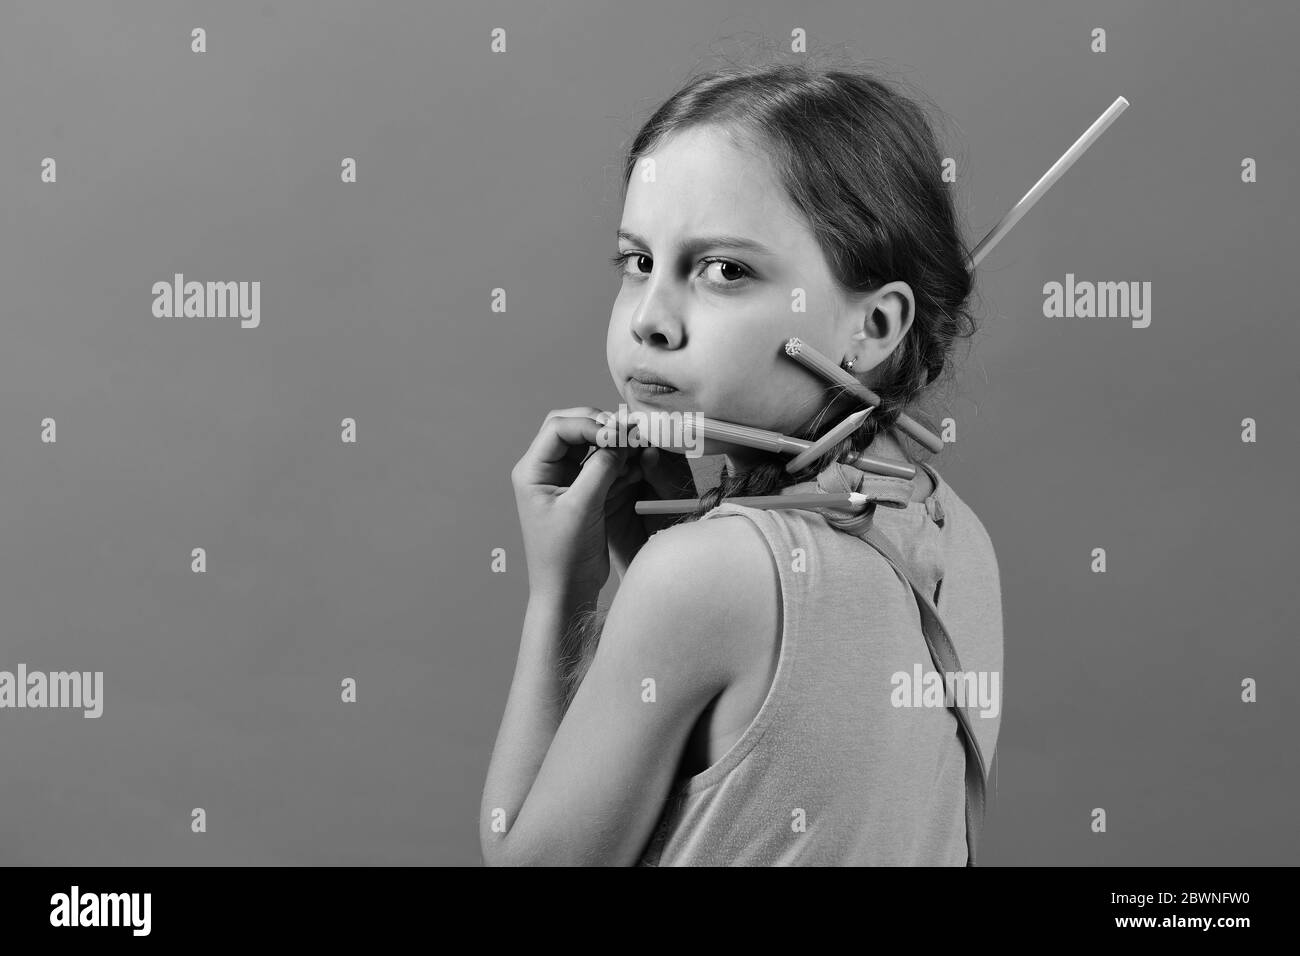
(853, 759)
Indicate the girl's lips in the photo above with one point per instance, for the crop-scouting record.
(647, 377)
(649, 390)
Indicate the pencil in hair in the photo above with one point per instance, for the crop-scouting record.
(832, 438)
(815, 362)
(766, 440)
(853, 500)
(881, 466)
(1058, 169)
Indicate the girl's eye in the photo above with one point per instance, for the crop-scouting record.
(619, 260)
(729, 279)
(731, 273)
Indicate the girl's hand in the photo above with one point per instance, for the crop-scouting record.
(562, 503)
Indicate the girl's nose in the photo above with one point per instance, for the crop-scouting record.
(655, 321)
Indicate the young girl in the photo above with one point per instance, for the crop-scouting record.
(743, 701)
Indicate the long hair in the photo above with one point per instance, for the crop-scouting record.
(859, 159)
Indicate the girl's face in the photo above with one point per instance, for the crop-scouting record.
(714, 255)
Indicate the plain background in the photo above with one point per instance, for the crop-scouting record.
(479, 171)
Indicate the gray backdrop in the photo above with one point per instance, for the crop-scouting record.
(475, 171)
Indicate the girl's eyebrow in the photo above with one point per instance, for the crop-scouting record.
(700, 243)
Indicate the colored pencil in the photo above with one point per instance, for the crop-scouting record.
(765, 440)
(848, 499)
(833, 437)
(819, 364)
(1058, 169)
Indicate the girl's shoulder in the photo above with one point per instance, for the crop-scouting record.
(725, 571)
(730, 553)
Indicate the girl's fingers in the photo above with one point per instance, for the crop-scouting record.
(566, 439)
(559, 451)
(577, 411)
(554, 456)
(559, 434)
(598, 473)
(575, 452)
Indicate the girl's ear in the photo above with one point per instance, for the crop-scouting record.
(896, 302)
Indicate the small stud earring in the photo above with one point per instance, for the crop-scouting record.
(847, 364)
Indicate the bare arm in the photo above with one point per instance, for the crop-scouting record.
(588, 789)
